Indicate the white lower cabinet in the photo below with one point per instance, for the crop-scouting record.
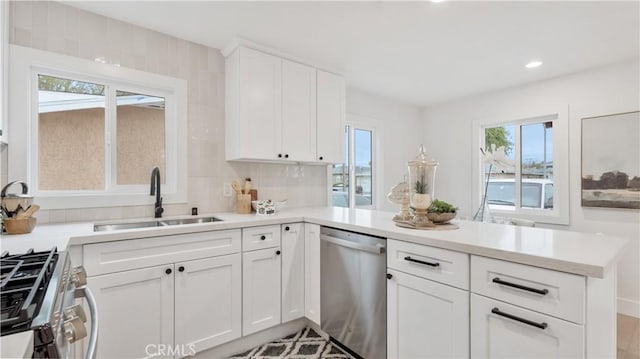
(136, 311)
(312, 272)
(169, 310)
(208, 307)
(425, 319)
(261, 277)
(502, 330)
(292, 271)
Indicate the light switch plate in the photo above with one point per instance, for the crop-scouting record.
(226, 189)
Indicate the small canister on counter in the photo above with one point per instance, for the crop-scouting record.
(265, 208)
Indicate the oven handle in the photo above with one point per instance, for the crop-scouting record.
(354, 245)
(93, 308)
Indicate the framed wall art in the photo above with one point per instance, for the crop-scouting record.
(611, 161)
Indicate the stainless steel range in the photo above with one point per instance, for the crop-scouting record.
(39, 292)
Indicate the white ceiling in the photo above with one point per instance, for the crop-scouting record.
(415, 52)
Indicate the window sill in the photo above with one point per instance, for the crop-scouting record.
(538, 216)
(71, 201)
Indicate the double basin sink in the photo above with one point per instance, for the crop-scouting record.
(151, 224)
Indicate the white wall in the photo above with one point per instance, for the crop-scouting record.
(400, 129)
(602, 91)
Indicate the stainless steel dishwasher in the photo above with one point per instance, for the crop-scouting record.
(353, 291)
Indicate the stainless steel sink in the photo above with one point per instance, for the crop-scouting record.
(149, 224)
(175, 222)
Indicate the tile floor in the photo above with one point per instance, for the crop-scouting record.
(628, 337)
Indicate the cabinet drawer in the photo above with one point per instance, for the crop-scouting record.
(117, 256)
(437, 264)
(501, 330)
(555, 293)
(255, 238)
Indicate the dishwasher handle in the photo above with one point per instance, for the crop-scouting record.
(353, 245)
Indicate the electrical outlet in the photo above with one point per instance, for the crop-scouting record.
(226, 189)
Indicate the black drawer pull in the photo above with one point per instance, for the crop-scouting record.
(436, 264)
(263, 237)
(497, 311)
(514, 285)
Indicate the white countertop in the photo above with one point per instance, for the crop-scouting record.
(572, 252)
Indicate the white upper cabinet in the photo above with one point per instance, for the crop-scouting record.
(298, 112)
(281, 110)
(331, 113)
(253, 105)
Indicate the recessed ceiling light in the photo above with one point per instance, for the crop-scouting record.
(533, 64)
(438, 0)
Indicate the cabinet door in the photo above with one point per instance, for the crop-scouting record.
(499, 336)
(330, 119)
(208, 296)
(292, 271)
(298, 111)
(260, 290)
(135, 309)
(426, 319)
(260, 110)
(312, 272)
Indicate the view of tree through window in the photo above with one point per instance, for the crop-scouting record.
(531, 145)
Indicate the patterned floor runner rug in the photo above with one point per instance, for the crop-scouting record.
(305, 344)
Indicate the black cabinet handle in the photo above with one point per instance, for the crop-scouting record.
(277, 253)
(263, 237)
(320, 158)
(286, 228)
(286, 156)
(389, 275)
(181, 269)
(497, 311)
(436, 264)
(514, 285)
(168, 271)
(279, 155)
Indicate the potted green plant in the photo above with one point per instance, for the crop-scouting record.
(441, 211)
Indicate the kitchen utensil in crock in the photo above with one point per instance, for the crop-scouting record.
(15, 203)
(236, 187)
(29, 212)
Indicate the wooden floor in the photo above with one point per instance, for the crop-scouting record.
(628, 337)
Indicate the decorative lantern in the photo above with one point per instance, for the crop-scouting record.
(422, 173)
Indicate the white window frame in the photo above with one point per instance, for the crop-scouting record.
(4, 73)
(367, 124)
(559, 115)
(26, 64)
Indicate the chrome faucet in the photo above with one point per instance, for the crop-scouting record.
(155, 190)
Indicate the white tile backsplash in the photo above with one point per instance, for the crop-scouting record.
(56, 27)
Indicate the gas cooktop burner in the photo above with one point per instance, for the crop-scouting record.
(24, 281)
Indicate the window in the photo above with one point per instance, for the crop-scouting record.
(536, 187)
(73, 126)
(357, 169)
(93, 139)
